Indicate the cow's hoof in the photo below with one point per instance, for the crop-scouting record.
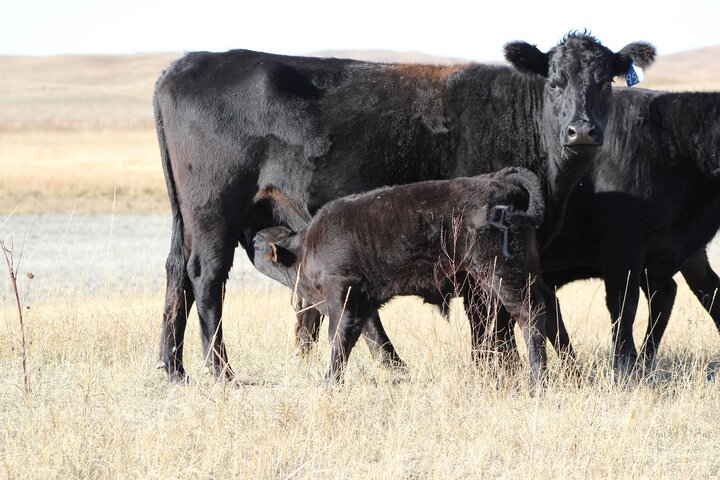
(626, 372)
(225, 374)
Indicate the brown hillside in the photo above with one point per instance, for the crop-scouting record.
(114, 92)
(79, 91)
(693, 70)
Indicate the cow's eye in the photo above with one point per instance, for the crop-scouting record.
(554, 86)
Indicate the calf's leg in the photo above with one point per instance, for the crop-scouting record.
(530, 315)
(307, 328)
(347, 314)
(379, 344)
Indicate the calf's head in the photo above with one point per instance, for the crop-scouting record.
(277, 252)
(578, 75)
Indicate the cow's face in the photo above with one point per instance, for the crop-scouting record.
(578, 75)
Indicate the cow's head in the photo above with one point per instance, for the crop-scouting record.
(578, 75)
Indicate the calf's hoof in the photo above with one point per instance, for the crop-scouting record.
(174, 375)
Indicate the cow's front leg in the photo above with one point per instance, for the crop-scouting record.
(208, 267)
(660, 302)
(621, 295)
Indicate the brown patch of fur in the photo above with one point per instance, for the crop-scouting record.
(434, 74)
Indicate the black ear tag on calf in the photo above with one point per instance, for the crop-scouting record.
(496, 218)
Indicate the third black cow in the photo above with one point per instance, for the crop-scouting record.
(645, 212)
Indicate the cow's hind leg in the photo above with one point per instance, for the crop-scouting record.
(208, 267)
(179, 298)
(704, 283)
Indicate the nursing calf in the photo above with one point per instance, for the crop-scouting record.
(432, 239)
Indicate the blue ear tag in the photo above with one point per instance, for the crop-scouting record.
(634, 76)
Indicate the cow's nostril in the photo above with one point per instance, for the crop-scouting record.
(571, 132)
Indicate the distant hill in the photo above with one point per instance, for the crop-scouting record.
(115, 92)
(692, 70)
(79, 91)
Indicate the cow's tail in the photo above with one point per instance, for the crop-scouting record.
(285, 208)
(176, 265)
(535, 211)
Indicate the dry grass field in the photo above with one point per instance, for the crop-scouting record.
(76, 135)
(98, 409)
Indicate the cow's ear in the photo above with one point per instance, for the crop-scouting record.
(527, 58)
(281, 255)
(641, 54)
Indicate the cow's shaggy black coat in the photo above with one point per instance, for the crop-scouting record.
(646, 211)
(231, 123)
(426, 239)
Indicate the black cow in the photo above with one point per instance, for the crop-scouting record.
(645, 212)
(231, 123)
(427, 239)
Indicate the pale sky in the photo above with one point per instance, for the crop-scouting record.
(471, 30)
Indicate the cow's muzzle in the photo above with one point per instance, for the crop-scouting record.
(583, 133)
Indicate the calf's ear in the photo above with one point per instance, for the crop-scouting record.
(281, 255)
(526, 58)
(641, 54)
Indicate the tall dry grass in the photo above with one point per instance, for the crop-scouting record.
(76, 134)
(99, 410)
